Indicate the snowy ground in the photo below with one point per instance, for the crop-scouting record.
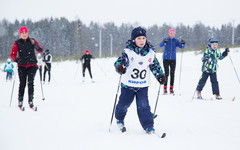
(77, 115)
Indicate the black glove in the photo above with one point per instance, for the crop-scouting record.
(182, 42)
(16, 60)
(225, 53)
(162, 79)
(165, 41)
(121, 69)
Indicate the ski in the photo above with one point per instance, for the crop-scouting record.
(154, 115)
(163, 135)
(123, 129)
(33, 108)
(22, 108)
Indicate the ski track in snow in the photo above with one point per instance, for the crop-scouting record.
(76, 115)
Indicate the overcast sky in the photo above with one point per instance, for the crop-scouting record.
(143, 12)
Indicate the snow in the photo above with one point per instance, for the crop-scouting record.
(76, 115)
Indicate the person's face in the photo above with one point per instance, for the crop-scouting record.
(140, 41)
(214, 46)
(172, 34)
(24, 35)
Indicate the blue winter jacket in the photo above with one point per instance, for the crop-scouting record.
(170, 48)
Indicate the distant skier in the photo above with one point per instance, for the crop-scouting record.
(47, 68)
(135, 64)
(23, 53)
(209, 67)
(86, 60)
(40, 64)
(9, 69)
(169, 57)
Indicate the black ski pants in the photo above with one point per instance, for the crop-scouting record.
(88, 66)
(172, 65)
(26, 76)
(47, 68)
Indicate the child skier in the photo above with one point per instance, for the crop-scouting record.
(210, 57)
(134, 65)
(23, 53)
(9, 69)
(86, 60)
(169, 57)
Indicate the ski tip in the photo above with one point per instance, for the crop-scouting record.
(22, 108)
(163, 135)
(123, 129)
(155, 116)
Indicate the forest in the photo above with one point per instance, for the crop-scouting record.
(70, 39)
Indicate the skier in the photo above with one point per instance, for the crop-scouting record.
(135, 64)
(169, 57)
(209, 67)
(23, 53)
(86, 60)
(9, 69)
(40, 64)
(47, 67)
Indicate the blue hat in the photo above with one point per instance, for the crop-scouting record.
(213, 40)
(138, 31)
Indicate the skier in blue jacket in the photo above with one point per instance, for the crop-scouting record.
(135, 64)
(169, 57)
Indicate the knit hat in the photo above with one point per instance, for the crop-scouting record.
(213, 40)
(23, 29)
(171, 30)
(87, 51)
(47, 51)
(138, 31)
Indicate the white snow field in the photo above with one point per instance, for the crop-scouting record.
(76, 115)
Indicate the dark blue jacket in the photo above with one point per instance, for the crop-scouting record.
(170, 48)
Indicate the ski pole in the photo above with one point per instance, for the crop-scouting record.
(76, 72)
(114, 106)
(234, 69)
(13, 87)
(41, 84)
(154, 114)
(180, 73)
(196, 88)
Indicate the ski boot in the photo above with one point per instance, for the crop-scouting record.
(218, 97)
(20, 104)
(199, 96)
(171, 90)
(165, 90)
(31, 104)
(150, 130)
(120, 124)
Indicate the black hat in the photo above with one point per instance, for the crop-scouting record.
(138, 31)
(47, 51)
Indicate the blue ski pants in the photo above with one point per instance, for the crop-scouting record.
(213, 79)
(143, 108)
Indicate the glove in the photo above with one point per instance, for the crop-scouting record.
(121, 69)
(225, 53)
(16, 60)
(162, 79)
(165, 41)
(182, 42)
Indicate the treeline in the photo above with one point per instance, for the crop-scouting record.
(71, 38)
